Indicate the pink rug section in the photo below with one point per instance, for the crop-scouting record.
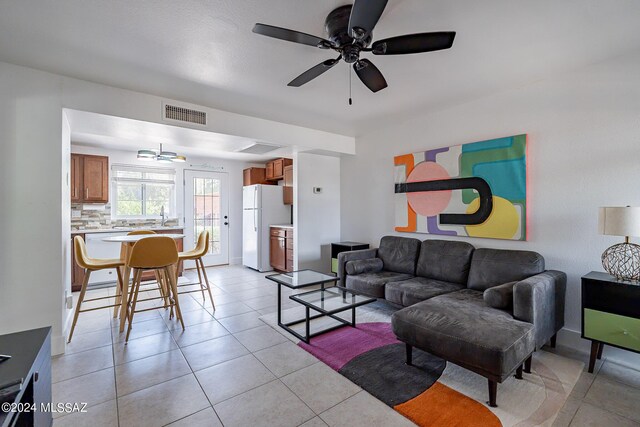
(338, 347)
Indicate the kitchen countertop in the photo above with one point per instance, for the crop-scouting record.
(125, 229)
(282, 226)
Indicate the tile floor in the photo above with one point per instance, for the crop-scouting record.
(228, 368)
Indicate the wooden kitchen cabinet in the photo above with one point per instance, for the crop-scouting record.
(287, 190)
(89, 179)
(252, 176)
(281, 249)
(275, 168)
(76, 178)
(77, 272)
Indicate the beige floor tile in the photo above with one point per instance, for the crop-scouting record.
(143, 347)
(140, 330)
(363, 410)
(88, 341)
(242, 322)
(272, 404)
(615, 397)
(592, 416)
(583, 385)
(102, 415)
(314, 422)
(228, 379)
(212, 352)
(162, 403)
(320, 387)
(231, 309)
(143, 373)
(205, 418)
(190, 318)
(198, 333)
(77, 364)
(92, 389)
(221, 298)
(258, 338)
(620, 373)
(282, 359)
(262, 302)
(92, 321)
(139, 317)
(567, 412)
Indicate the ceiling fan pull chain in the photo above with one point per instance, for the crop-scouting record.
(350, 100)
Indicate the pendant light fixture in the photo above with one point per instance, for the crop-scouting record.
(160, 156)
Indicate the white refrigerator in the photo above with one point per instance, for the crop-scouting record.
(262, 206)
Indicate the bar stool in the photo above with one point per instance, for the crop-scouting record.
(159, 254)
(92, 264)
(196, 254)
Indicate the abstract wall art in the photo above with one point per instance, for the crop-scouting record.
(477, 190)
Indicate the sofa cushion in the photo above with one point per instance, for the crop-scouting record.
(462, 329)
(369, 265)
(412, 291)
(492, 267)
(500, 296)
(373, 283)
(399, 254)
(445, 260)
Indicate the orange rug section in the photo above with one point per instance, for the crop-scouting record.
(443, 406)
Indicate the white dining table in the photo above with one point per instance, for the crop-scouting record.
(127, 242)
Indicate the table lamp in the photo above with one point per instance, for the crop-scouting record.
(621, 260)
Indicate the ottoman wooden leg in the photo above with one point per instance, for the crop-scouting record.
(553, 341)
(409, 354)
(493, 392)
(527, 364)
(519, 372)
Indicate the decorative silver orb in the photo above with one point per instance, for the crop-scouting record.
(622, 261)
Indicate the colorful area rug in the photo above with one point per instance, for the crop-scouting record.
(433, 392)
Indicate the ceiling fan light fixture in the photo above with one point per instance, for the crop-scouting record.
(146, 154)
(180, 159)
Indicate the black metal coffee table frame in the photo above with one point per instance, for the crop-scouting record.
(322, 281)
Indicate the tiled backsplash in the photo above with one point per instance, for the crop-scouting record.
(99, 217)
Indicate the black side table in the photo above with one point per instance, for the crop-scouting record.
(338, 247)
(610, 314)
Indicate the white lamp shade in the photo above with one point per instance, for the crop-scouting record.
(619, 221)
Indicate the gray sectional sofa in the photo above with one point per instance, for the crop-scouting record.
(486, 310)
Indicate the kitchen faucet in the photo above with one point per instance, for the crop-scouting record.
(162, 222)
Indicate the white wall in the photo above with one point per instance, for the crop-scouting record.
(33, 255)
(34, 194)
(232, 168)
(584, 146)
(316, 215)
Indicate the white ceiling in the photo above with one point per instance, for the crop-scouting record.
(204, 51)
(118, 133)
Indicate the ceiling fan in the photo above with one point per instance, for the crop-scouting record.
(350, 31)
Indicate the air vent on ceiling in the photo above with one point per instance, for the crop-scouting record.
(181, 114)
(258, 148)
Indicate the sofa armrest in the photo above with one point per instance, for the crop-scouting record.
(344, 257)
(539, 300)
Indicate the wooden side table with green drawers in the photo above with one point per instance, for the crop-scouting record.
(610, 314)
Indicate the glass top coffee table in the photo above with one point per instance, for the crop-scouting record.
(326, 301)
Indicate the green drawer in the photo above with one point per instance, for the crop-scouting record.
(612, 329)
(334, 265)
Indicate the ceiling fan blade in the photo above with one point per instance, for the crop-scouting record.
(414, 43)
(370, 75)
(291, 36)
(364, 17)
(313, 72)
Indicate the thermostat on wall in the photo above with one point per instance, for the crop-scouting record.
(317, 190)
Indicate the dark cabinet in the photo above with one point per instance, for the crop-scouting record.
(281, 249)
(89, 179)
(30, 361)
(338, 247)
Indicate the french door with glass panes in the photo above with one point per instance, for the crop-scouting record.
(206, 207)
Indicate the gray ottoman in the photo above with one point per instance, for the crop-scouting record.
(460, 328)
